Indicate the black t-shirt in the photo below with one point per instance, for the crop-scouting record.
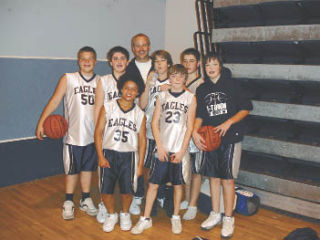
(217, 102)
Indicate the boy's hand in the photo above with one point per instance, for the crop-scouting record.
(40, 132)
(176, 157)
(162, 154)
(103, 162)
(165, 87)
(199, 141)
(150, 79)
(223, 128)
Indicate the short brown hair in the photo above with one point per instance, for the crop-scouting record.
(178, 68)
(164, 54)
(87, 49)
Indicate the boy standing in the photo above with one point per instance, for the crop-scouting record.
(222, 104)
(190, 59)
(79, 155)
(157, 81)
(107, 90)
(121, 149)
(172, 126)
(118, 58)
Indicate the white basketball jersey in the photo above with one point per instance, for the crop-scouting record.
(192, 86)
(122, 127)
(109, 86)
(153, 94)
(173, 119)
(79, 107)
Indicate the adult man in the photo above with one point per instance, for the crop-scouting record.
(139, 66)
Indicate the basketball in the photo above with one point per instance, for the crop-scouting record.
(55, 126)
(211, 138)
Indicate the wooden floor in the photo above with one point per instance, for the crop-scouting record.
(33, 211)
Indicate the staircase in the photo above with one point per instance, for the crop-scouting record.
(273, 49)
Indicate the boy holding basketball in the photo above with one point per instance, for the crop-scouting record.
(79, 155)
(222, 104)
(120, 138)
(172, 125)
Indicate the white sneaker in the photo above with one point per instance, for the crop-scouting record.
(102, 213)
(190, 214)
(176, 224)
(227, 227)
(134, 207)
(142, 225)
(138, 200)
(184, 205)
(125, 221)
(110, 222)
(88, 207)
(213, 220)
(68, 210)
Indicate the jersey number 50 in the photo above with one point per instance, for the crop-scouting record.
(87, 99)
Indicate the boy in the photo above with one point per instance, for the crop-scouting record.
(121, 149)
(157, 81)
(172, 125)
(222, 104)
(107, 90)
(118, 58)
(79, 155)
(190, 59)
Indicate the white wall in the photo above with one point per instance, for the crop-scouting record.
(180, 25)
(58, 28)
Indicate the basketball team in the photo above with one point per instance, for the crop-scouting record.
(139, 127)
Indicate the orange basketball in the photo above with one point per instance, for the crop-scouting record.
(55, 126)
(212, 139)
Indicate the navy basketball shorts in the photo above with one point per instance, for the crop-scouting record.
(78, 159)
(222, 163)
(163, 172)
(195, 161)
(151, 144)
(121, 169)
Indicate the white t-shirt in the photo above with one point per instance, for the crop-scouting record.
(144, 68)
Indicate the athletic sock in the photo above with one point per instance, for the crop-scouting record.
(85, 195)
(69, 196)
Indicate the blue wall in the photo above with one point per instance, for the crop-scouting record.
(25, 88)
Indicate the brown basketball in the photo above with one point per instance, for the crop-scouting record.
(211, 138)
(55, 126)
